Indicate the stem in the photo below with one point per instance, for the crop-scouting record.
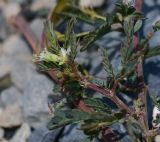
(19, 22)
(142, 94)
(111, 95)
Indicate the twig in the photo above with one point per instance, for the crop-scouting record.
(19, 22)
(111, 95)
(142, 93)
(22, 25)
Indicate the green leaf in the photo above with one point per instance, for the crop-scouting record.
(98, 120)
(61, 6)
(60, 104)
(137, 15)
(151, 52)
(138, 25)
(156, 99)
(75, 11)
(144, 43)
(98, 105)
(56, 88)
(91, 128)
(124, 9)
(156, 27)
(5, 82)
(134, 130)
(65, 117)
(90, 38)
(127, 69)
(127, 48)
(52, 41)
(99, 81)
(128, 27)
(106, 63)
(69, 41)
(89, 140)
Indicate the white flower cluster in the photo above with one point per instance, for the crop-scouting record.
(47, 56)
(129, 2)
(156, 112)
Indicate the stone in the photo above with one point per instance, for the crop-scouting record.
(5, 67)
(152, 17)
(3, 140)
(44, 135)
(41, 4)
(34, 100)
(3, 27)
(1, 49)
(149, 3)
(17, 48)
(17, 1)
(37, 26)
(11, 96)
(72, 133)
(11, 9)
(157, 138)
(22, 74)
(18, 60)
(1, 133)
(11, 116)
(23, 134)
(91, 3)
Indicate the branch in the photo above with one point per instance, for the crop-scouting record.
(109, 94)
(142, 93)
(19, 22)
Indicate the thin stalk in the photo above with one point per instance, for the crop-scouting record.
(142, 94)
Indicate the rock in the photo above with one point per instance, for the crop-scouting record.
(72, 133)
(35, 100)
(44, 135)
(17, 1)
(11, 9)
(157, 138)
(91, 3)
(17, 48)
(5, 67)
(3, 27)
(41, 4)
(152, 17)
(11, 116)
(149, 2)
(37, 26)
(1, 49)
(18, 61)
(1, 133)
(11, 96)
(22, 74)
(23, 134)
(3, 140)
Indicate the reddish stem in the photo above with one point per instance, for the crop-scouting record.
(138, 5)
(19, 22)
(142, 94)
(111, 95)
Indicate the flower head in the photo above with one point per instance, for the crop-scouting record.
(65, 52)
(47, 56)
(129, 2)
(155, 115)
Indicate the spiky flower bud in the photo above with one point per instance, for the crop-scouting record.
(156, 113)
(47, 56)
(129, 2)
